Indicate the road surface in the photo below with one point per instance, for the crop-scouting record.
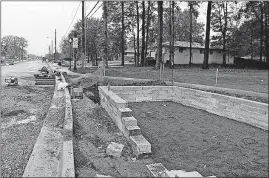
(23, 71)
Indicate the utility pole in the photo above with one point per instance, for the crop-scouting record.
(105, 61)
(51, 50)
(83, 35)
(55, 46)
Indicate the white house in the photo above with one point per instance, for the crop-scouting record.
(182, 54)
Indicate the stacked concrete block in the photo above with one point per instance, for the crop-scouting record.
(76, 92)
(141, 147)
(122, 116)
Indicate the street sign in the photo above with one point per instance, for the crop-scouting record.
(75, 42)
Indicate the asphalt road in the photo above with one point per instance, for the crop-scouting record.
(23, 71)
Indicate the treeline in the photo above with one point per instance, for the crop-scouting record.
(13, 47)
(240, 28)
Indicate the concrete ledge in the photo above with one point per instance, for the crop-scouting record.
(67, 159)
(52, 155)
(45, 158)
(221, 89)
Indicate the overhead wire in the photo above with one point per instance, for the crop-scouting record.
(96, 10)
(92, 9)
(72, 20)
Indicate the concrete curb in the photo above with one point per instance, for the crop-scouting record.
(52, 155)
(67, 157)
(44, 160)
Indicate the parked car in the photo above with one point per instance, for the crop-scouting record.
(150, 61)
(11, 62)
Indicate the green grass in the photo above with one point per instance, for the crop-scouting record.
(242, 79)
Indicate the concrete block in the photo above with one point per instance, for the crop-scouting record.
(129, 121)
(189, 174)
(132, 131)
(114, 149)
(157, 170)
(101, 175)
(140, 145)
(125, 112)
(173, 173)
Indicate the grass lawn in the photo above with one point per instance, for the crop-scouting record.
(243, 79)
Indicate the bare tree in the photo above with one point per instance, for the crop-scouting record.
(122, 33)
(207, 40)
(137, 38)
(160, 33)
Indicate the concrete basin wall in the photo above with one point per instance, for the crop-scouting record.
(242, 110)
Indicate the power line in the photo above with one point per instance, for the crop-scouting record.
(72, 20)
(96, 10)
(92, 9)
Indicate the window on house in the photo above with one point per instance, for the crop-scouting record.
(211, 51)
(219, 51)
(181, 49)
(202, 51)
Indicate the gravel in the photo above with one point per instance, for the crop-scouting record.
(18, 103)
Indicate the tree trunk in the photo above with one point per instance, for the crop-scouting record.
(160, 34)
(122, 33)
(105, 62)
(224, 34)
(266, 31)
(170, 34)
(251, 42)
(83, 36)
(147, 32)
(190, 3)
(137, 38)
(261, 32)
(135, 51)
(143, 35)
(207, 38)
(173, 33)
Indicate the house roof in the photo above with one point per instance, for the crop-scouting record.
(130, 50)
(186, 44)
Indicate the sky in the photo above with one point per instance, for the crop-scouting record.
(36, 21)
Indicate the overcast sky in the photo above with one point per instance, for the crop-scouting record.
(37, 20)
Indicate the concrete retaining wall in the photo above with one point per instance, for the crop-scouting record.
(247, 111)
(52, 155)
(144, 93)
(242, 110)
(122, 116)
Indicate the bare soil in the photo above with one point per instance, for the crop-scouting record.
(93, 132)
(189, 139)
